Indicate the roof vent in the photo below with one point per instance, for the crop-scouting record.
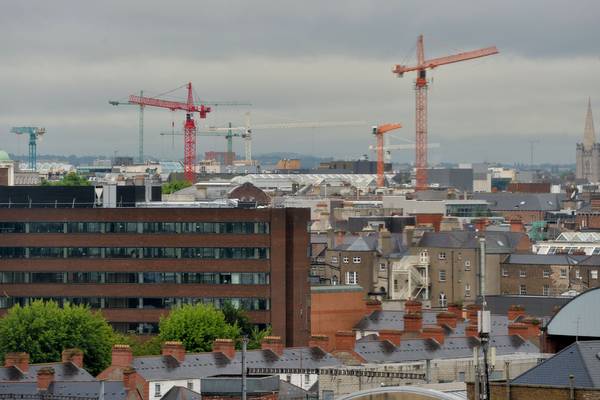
(598, 355)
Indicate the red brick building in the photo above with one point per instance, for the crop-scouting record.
(134, 264)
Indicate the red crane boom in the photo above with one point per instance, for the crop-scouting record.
(421, 98)
(189, 156)
(378, 131)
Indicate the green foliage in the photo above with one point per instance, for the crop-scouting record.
(43, 329)
(71, 179)
(235, 316)
(172, 187)
(257, 335)
(196, 326)
(140, 345)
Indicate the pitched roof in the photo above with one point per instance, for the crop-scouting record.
(551, 259)
(507, 201)
(535, 306)
(112, 390)
(578, 317)
(581, 360)
(156, 368)
(181, 393)
(62, 372)
(496, 242)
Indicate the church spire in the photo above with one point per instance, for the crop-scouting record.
(589, 136)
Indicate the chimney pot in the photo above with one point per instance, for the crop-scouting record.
(447, 318)
(515, 311)
(517, 328)
(412, 306)
(373, 305)
(225, 346)
(413, 322)
(471, 331)
(17, 359)
(174, 349)
(74, 356)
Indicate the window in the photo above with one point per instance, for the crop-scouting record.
(356, 260)
(546, 290)
(563, 272)
(190, 385)
(334, 260)
(504, 272)
(442, 256)
(346, 260)
(396, 285)
(594, 274)
(467, 290)
(442, 300)
(351, 278)
(577, 274)
(546, 273)
(522, 289)
(288, 378)
(522, 274)
(442, 275)
(306, 379)
(424, 257)
(382, 267)
(467, 265)
(157, 390)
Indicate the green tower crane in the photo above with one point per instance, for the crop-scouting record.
(33, 133)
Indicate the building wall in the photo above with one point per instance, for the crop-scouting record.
(559, 279)
(365, 269)
(288, 262)
(337, 309)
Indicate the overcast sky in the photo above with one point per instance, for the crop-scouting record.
(302, 61)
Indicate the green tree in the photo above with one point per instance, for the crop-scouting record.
(70, 179)
(196, 326)
(256, 336)
(172, 187)
(43, 329)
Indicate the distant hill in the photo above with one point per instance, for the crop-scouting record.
(307, 161)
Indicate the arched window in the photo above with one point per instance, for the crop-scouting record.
(443, 301)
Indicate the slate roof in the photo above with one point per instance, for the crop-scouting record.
(369, 242)
(552, 259)
(200, 365)
(287, 391)
(382, 351)
(506, 201)
(496, 242)
(181, 393)
(62, 372)
(535, 306)
(581, 359)
(113, 390)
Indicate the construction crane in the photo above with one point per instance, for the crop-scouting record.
(405, 146)
(190, 107)
(421, 86)
(228, 135)
(246, 130)
(33, 132)
(141, 125)
(379, 131)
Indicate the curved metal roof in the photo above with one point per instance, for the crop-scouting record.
(385, 392)
(579, 317)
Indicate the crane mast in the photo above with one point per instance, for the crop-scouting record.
(421, 86)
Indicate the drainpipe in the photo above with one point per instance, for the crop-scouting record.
(571, 387)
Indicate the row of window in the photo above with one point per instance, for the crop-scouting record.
(135, 227)
(346, 260)
(545, 290)
(135, 252)
(205, 278)
(546, 273)
(244, 303)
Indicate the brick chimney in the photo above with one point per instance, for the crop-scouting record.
(518, 328)
(413, 306)
(533, 327)
(74, 356)
(472, 312)
(447, 318)
(19, 360)
(433, 332)
(373, 305)
(391, 335)
(384, 241)
(174, 349)
(339, 237)
(45, 376)
(471, 331)
(413, 322)
(515, 311)
(272, 343)
(122, 356)
(321, 341)
(345, 340)
(456, 310)
(480, 224)
(516, 225)
(225, 346)
(129, 375)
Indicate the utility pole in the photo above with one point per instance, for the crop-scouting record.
(244, 347)
(483, 328)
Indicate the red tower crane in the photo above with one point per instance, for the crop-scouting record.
(379, 131)
(189, 127)
(421, 98)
